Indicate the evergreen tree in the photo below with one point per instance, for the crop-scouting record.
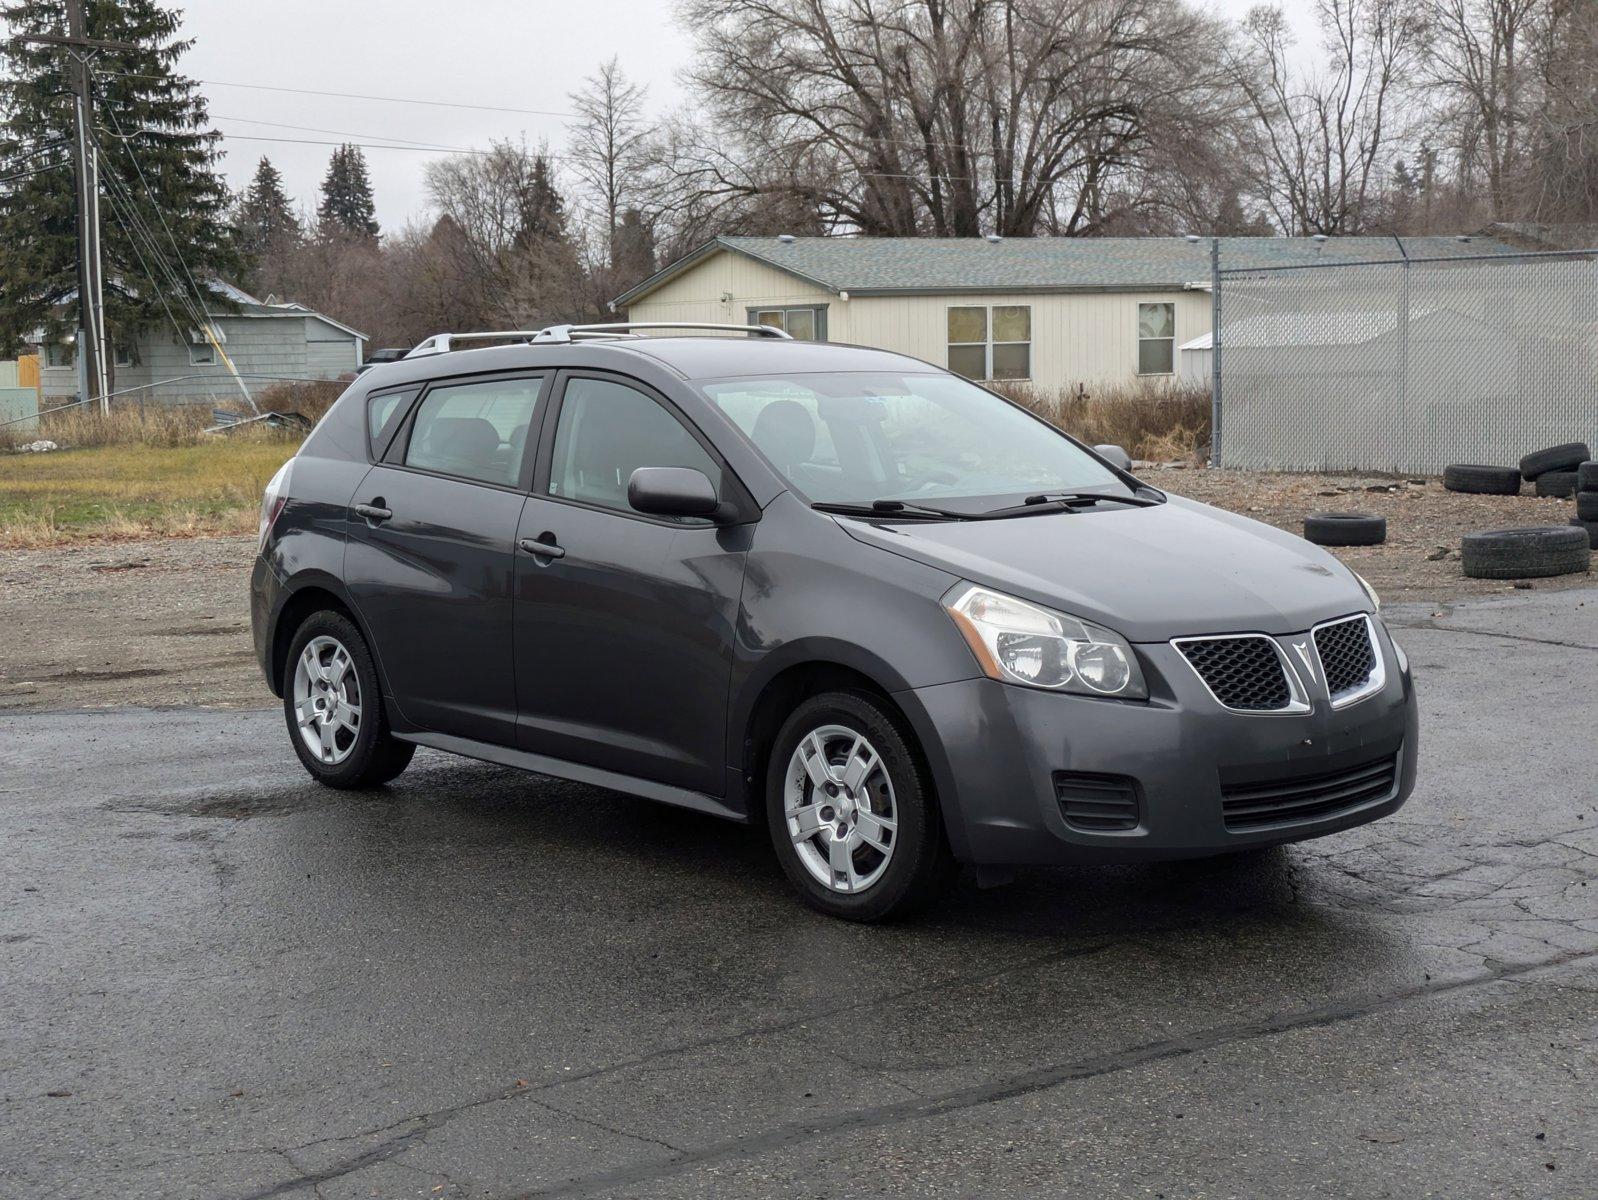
(157, 173)
(542, 210)
(264, 218)
(347, 206)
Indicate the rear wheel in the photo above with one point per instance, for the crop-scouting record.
(851, 811)
(334, 707)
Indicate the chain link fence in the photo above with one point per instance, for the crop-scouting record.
(1406, 366)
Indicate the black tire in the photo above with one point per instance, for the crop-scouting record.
(1345, 529)
(374, 755)
(1556, 483)
(1591, 528)
(1587, 477)
(1556, 458)
(1587, 506)
(1482, 481)
(1531, 553)
(920, 866)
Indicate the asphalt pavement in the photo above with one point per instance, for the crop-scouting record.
(217, 980)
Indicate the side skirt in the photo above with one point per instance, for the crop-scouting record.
(523, 760)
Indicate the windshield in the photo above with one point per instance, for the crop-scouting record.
(851, 437)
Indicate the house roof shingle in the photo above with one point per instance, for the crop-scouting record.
(867, 266)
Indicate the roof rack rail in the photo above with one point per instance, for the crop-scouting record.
(443, 343)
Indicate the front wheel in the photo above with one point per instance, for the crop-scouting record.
(334, 707)
(852, 813)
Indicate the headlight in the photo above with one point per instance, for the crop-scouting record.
(1018, 642)
(1376, 601)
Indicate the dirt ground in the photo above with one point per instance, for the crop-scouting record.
(167, 622)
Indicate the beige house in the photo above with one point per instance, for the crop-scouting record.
(1057, 312)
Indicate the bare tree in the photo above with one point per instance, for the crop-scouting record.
(1477, 62)
(610, 150)
(1323, 138)
(506, 247)
(948, 117)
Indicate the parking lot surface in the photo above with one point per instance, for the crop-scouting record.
(220, 981)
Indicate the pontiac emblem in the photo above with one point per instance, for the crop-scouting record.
(1302, 650)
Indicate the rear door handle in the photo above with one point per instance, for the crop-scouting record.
(373, 512)
(542, 549)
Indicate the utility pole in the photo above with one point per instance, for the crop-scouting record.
(92, 349)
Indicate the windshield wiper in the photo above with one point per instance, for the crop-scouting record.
(893, 508)
(1073, 499)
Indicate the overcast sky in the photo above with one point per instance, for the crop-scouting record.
(518, 54)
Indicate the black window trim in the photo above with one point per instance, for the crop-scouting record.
(733, 489)
(374, 452)
(399, 444)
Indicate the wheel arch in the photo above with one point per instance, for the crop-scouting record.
(803, 671)
(309, 594)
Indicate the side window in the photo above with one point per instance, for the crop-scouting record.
(475, 430)
(383, 415)
(606, 432)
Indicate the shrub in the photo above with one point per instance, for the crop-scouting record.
(1162, 423)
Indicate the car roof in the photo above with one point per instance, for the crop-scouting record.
(716, 357)
(690, 358)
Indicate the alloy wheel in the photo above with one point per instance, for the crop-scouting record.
(327, 700)
(839, 805)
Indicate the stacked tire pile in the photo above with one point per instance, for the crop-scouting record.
(1586, 518)
(1535, 551)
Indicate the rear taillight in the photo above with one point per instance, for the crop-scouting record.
(273, 500)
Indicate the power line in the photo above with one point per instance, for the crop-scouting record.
(246, 137)
(263, 87)
(339, 132)
(29, 174)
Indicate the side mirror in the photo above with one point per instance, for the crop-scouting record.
(1115, 455)
(672, 492)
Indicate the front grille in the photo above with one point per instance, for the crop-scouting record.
(1307, 797)
(1097, 803)
(1347, 657)
(1241, 672)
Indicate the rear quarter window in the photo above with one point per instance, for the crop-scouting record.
(384, 413)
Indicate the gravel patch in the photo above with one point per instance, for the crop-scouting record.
(167, 622)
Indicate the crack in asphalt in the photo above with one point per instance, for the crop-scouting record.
(1046, 1078)
(922, 1106)
(1510, 637)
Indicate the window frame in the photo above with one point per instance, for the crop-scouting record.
(67, 351)
(989, 343)
(399, 445)
(374, 452)
(1138, 339)
(205, 348)
(818, 315)
(733, 491)
(122, 355)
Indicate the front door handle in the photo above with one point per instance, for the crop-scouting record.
(542, 549)
(373, 512)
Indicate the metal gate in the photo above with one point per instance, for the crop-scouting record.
(1405, 365)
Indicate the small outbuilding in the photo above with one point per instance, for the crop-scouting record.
(259, 340)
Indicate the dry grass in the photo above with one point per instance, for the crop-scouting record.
(130, 423)
(1162, 423)
(108, 493)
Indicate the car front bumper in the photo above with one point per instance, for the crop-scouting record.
(997, 752)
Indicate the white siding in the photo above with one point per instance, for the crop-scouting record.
(1078, 338)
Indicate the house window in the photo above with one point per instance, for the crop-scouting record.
(123, 355)
(58, 354)
(991, 342)
(808, 324)
(1156, 339)
(201, 352)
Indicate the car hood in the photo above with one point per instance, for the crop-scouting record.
(1173, 570)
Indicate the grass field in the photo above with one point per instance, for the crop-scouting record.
(112, 492)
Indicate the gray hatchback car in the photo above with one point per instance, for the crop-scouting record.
(894, 617)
